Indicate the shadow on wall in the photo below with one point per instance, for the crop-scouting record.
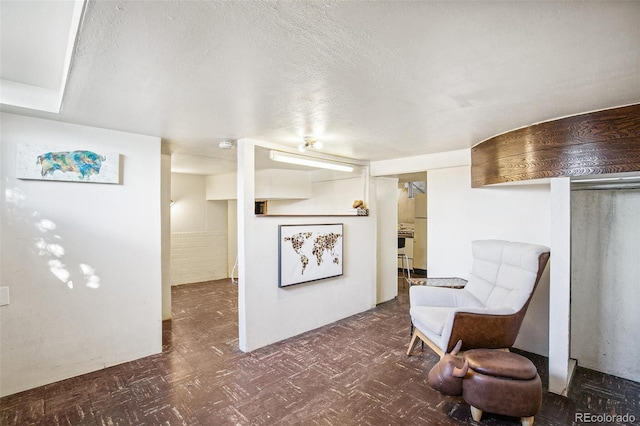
(47, 243)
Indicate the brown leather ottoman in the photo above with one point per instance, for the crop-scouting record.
(502, 383)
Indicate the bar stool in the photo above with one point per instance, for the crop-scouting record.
(402, 255)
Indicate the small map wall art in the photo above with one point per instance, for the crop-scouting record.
(45, 163)
(309, 253)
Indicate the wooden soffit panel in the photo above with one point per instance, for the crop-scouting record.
(588, 144)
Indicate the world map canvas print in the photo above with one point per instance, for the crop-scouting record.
(309, 253)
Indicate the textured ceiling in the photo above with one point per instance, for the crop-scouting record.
(372, 80)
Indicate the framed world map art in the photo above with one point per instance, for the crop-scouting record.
(309, 253)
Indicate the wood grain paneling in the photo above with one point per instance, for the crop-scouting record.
(595, 143)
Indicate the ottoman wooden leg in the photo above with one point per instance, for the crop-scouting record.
(527, 421)
(476, 414)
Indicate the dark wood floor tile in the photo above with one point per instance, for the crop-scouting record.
(269, 408)
(75, 413)
(358, 404)
(74, 385)
(29, 412)
(22, 398)
(106, 398)
(174, 367)
(375, 391)
(556, 411)
(109, 389)
(207, 361)
(203, 395)
(189, 330)
(400, 380)
(150, 388)
(185, 347)
(167, 409)
(123, 375)
(239, 388)
(322, 408)
(73, 399)
(125, 413)
(226, 415)
(408, 406)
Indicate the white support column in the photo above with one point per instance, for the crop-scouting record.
(246, 190)
(560, 287)
(165, 215)
(385, 210)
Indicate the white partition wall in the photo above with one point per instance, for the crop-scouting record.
(267, 313)
(82, 260)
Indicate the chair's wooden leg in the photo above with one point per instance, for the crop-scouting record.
(414, 341)
(476, 413)
(527, 421)
(417, 335)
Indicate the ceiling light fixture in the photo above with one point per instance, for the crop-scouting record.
(309, 142)
(225, 144)
(606, 179)
(284, 157)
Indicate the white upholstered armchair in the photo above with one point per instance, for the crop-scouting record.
(488, 311)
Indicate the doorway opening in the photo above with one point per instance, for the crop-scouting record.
(412, 226)
(604, 278)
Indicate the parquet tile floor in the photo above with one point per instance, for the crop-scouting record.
(351, 372)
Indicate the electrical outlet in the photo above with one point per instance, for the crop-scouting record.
(4, 296)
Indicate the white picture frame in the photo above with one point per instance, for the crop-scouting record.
(309, 253)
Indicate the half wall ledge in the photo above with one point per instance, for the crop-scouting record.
(600, 142)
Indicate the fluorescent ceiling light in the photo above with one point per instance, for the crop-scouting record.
(309, 161)
(606, 179)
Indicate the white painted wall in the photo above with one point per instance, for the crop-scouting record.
(198, 232)
(191, 211)
(406, 206)
(270, 184)
(222, 186)
(267, 313)
(83, 261)
(421, 163)
(198, 256)
(274, 184)
(459, 214)
(605, 281)
(331, 195)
